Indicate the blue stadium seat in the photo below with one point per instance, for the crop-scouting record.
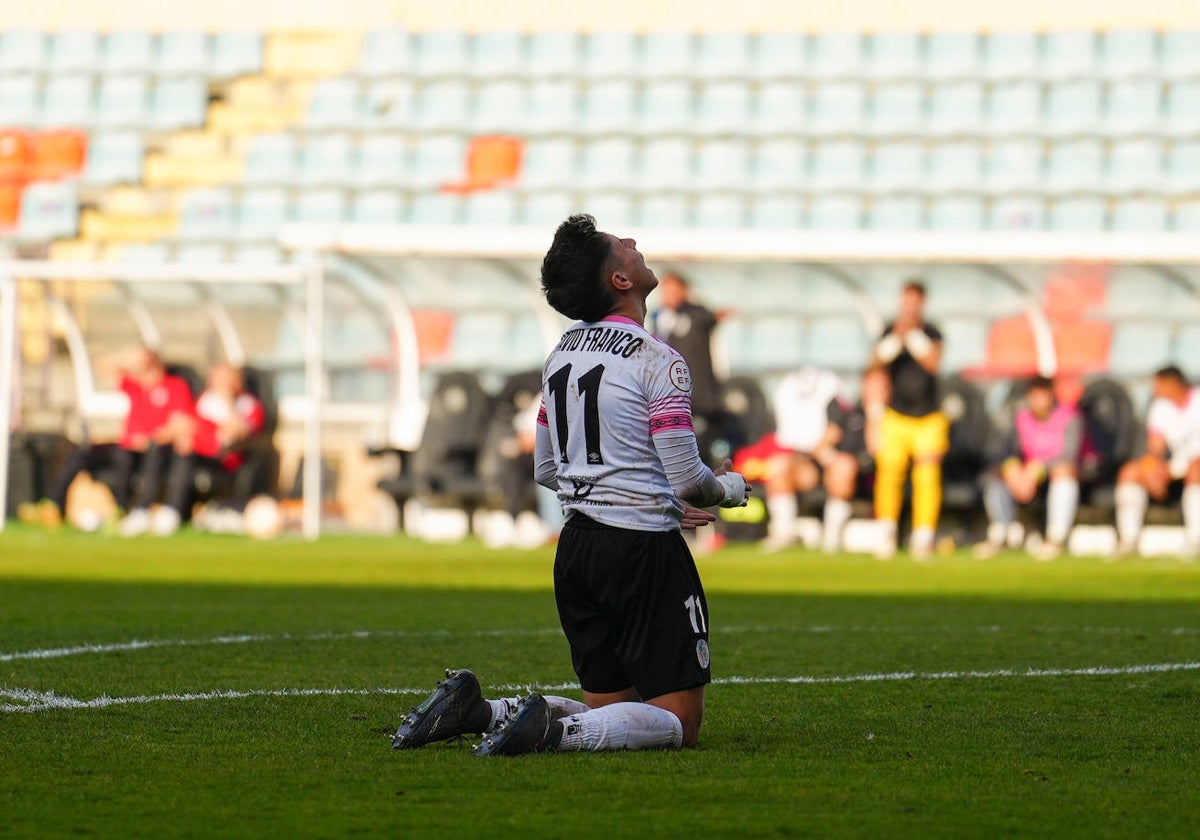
(552, 106)
(838, 164)
(722, 164)
(1075, 166)
(335, 104)
(207, 214)
(499, 107)
(546, 208)
(1183, 109)
(49, 210)
(377, 207)
(200, 253)
(720, 212)
(663, 211)
(665, 162)
(1186, 216)
(955, 108)
(553, 54)
(952, 55)
(666, 108)
(114, 158)
(1140, 214)
(260, 253)
(144, 253)
(437, 159)
(722, 55)
(327, 159)
(1134, 106)
(1074, 107)
(837, 55)
(271, 159)
(1015, 165)
(19, 105)
(549, 163)
(1180, 56)
(388, 103)
(834, 212)
(1135, 166)
(1083, 214)
(894, 55)
(776, 212)
(1126, 53)
(779, 56)
(897, 165)
(441, 52)
(839, 108)
(610, 54)
(122, 102)
(178, 103)
(22, 51)
(182, 53)
(235, 52)
(128, 51)
(1010, 55)
(779, 109)
(67, 101)
(723, 108)
(491, 207)
(385, 52)
(607, 163)
(442, 105)
(609, 106)
(498, 53)
(73, 51)
(1070, 54)
(898, 109)
(896, 212)
(381, 159)
(261, 212)
(955, 166)
(1183, 168)
(1017, 213)
(957, 213)
(779, 165)
(1138, 349)
(613, 211)
(667, 54)
(1015, 108)
(434, 208)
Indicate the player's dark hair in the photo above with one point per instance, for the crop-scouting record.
(915, 285)
(1173, 373)
(574, 270)
(1040, 383)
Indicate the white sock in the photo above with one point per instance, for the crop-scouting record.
(622, 726)
(501, 710)
(1191, 513)
(921, 539)
(782, 508)
(1131, 502)
(560, 707)
(1062, 500)
(837, 514)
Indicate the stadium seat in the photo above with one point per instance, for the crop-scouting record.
(665, 163)
(73, 51)
(235, 52)
(491, 207)
(385, 53)
(497, 53)
(178, 103)
(491, 161)
(776, 212)
(1015, 108)
(1186, 216)
(1129, 53)
(552, 106)
(779, 165)
(207, 214)
(442, 105)
(552, 54)
(429, 208)
(182, 53)
(272, 159)
(1183, 109)
(49, 210)
(779, 109)
(957, 213)
(441, 53)
(609, 107)
(546, 208)
(327, 159)
(260, 213)
(1139, 349)
(612, 210)
(58, 154)
(607, 163)
(895, 212)
(837, 55)
(894, 55)
(721, 212)
(260, 253)
(16, 155)
(388, 104)
(321, 206)
(437, 159)
(610, 55)
(1135, 166)
(838, 164)
(335, 104)
(1014, 165)
(723, 108)
(22, 51)
(722, 164)
(954, 166)
(377, 207)
(382, 159)
(955, 108)
(549, 163)
(722, 55)
(1074, 166)
(1010, 55)
(128, 51)
(1180, 56)
(897, 165)
(665, 107)
(143, 253)
(897, 109)
(952, 55)
(122, 102)
(499, 107)
(1183, 168)
(839, 108)
(200, 253)
(667, 54)
(67, 102)
(835, 212)
(778, 56)
(1074, 107)
(1134, 106)
(18, 101)
(663, 211)
(1016, 213)
(1081, 214)
(1070, 54)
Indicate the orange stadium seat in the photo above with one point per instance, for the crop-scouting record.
(10, 203)
(16, 153)
(58, 153)
(491, 162)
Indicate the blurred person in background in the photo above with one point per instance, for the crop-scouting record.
(914, 429)
(1170, 466)
(849, 461)
(1041, 451)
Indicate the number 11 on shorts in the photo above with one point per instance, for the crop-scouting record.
(695, 611)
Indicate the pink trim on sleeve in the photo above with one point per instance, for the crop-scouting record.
(670, 422)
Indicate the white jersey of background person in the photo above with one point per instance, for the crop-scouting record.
(802, 407)
(619, 385)
(1179, 427)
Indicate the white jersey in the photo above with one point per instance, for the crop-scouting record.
(607, 389)
(802, 408)
(1179, 426)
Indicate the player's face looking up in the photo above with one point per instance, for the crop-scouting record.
(631, 272)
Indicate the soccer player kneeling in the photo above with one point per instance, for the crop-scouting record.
(615, 441)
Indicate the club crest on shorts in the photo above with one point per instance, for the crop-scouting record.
(702, 652)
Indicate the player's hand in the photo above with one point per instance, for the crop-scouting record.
(725, 467)
(889, 347)
(694, 518)
(918, 343)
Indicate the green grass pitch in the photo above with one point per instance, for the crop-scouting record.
(213, 686)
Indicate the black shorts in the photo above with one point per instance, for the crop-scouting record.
(632, 608)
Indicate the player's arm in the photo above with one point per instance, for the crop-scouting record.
(545, 469)
(926, 349)
(690, 477)
(1156, 444)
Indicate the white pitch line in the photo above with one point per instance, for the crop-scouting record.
(45, 701)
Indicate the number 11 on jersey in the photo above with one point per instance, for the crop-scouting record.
(589, 389)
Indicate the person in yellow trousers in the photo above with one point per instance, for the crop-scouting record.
(914, 429)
